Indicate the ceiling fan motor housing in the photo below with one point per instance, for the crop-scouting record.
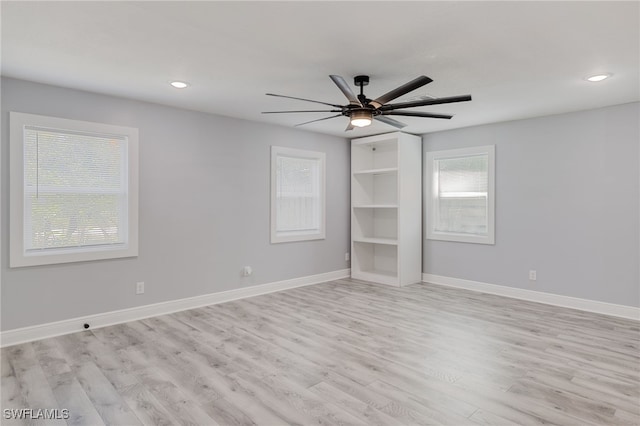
(361, 80)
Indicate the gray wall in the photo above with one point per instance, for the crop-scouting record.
(567, 205)
(204, 210)
(567, 194)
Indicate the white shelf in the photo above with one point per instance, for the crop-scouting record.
(376, 240)
(386, 214)
(386, 170)
(373, 154)
(379, 272)
(375, 188)
(374, 224)
(376, 206)
(376, 276)
(379, 141)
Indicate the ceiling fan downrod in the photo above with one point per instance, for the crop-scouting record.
(361, 81)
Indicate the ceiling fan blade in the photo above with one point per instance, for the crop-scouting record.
(417, 114)
(319, 119)
(437, 101)
(302, 99)
(349, 127)
(312, 110)
(390, 121)
(344, 87)
(402, 90)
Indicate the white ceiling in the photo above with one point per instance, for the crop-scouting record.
(517, 59)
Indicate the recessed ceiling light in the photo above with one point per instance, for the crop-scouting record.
(179, 84)
(599, 77)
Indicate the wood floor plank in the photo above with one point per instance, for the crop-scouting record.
(487, 418)
(198, 382)
(35, 390)
(50, 357)
(624, 387)
(181, 407)
(172, 396)
(105, 398)
(571, 404)
(623, 417)
(411, 411)
(187, 373)
(85, 349)
(567, 385)
(148, 409)
(354, 406)
(295, 404)
(356, 390)
(342, 352)
(12, 399)
(71, 396)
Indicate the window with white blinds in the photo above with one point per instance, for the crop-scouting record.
(460, 195)
(74, 190)
(297, 195)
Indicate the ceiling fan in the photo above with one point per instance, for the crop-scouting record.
(362, 110)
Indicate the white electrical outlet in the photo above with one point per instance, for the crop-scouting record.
(532, 275)
(140, 287)
(246, 271)
(346, 257)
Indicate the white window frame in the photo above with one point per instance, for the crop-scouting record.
(283, 237)
(18, 255)
(431, 195)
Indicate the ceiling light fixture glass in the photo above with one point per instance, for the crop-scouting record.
(361, 118)
(599, 77)
(179, 84)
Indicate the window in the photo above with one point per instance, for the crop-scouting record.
(297, 195)
(460, 195)
(73, 191)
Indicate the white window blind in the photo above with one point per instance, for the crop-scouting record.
(462, 185)
(297, 195)
(74, 190)
(460, 200)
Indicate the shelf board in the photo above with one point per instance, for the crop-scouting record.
(387, 274)
(381, 277)
(376, 206)
(376, 141)
(383, 171)
(376, 240)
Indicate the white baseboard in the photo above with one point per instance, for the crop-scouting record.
(43, 331)
(622, 311)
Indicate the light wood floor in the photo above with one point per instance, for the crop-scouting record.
(343, 352)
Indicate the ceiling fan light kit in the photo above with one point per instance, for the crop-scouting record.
(361, 110)
(361, 117)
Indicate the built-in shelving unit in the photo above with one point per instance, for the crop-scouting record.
(386, 222)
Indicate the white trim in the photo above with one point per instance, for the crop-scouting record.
(612, 309)
(431, 197)
(73, 325)
(18, 256)
(313, 234)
